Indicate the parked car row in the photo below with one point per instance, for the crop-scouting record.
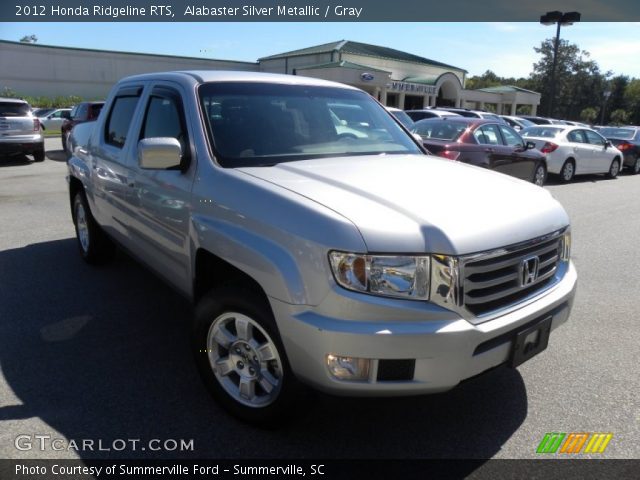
(526, 147)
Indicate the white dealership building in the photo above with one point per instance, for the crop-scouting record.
(396, 78)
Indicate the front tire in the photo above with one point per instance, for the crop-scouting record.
(241, 358)
(568, 171)
(614, 169)
(94, 245)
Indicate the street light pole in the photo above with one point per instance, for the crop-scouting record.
(559, 18)
(607, 94)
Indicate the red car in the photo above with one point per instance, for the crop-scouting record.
(485, 143)
(83, 112)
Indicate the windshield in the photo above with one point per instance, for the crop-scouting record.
(439, 129)
(252, 124)
(405, 119)
(545, 132)
(525, 123)
(624, 133)
(14, 109)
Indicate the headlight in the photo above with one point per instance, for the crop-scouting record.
(400, 276)
(565, 252)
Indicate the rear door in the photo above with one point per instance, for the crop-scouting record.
(111, 167)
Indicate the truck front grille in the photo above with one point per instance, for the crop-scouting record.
(497, 280)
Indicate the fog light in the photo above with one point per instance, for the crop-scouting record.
(348, 368)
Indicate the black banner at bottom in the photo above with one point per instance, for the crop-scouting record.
(321, 469)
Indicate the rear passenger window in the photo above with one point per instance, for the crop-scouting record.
(119, 119)
(576, 136)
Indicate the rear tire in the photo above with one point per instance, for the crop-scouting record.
(38, 155)
(539, 175)
(614, 169)
(241, 358)
(567, 171)
(94, 245)
(635, 168)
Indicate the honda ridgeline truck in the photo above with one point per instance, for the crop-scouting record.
(320, 244)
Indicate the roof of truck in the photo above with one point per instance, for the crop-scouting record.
(205, 76)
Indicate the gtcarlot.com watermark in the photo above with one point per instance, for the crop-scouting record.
(45, 443)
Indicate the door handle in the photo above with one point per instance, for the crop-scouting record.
(131, 184)
(489, 150)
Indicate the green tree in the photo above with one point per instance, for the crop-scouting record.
(487, 79)
(588, 115)
(578, 79)
(619, 117)
(632, 101)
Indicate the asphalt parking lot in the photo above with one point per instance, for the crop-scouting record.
(103, 353)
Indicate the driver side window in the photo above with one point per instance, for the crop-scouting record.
(165, 118)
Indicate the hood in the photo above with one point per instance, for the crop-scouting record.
(419, 203)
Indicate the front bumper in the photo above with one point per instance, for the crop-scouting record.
(446, 348)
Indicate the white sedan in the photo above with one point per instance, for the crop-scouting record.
(574, 150)
(54, 120)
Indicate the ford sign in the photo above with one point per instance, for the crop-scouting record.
(367, 77)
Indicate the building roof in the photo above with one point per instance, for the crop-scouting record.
(357, 48)
(342, 64)
(119, 52)
(506, 89)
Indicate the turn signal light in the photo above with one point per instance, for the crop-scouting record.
(36, 125)
(549, 147)
(450, 154)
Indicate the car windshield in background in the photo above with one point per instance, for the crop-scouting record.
(545, 132)
(624, 133)
(404, 118)
(525, 122)
(439, 129)
(263, 124)
(12, 109)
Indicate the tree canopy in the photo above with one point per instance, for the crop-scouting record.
(580, 86)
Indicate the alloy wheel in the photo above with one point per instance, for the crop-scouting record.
(244, 360)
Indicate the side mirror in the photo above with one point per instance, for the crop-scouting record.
(608, 144)
(529, 146)
(160, 153)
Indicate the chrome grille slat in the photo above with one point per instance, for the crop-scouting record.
(469, 284)
(493, 281)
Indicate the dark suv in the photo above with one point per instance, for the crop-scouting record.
(83, 112)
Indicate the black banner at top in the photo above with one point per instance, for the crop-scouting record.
(311, 10)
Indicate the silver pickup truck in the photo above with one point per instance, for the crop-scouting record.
(320, 244)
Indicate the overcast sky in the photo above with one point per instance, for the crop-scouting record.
(505, 48)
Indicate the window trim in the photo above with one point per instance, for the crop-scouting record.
(126, 92)
(171, 93)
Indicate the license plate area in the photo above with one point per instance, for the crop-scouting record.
(530, 342)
